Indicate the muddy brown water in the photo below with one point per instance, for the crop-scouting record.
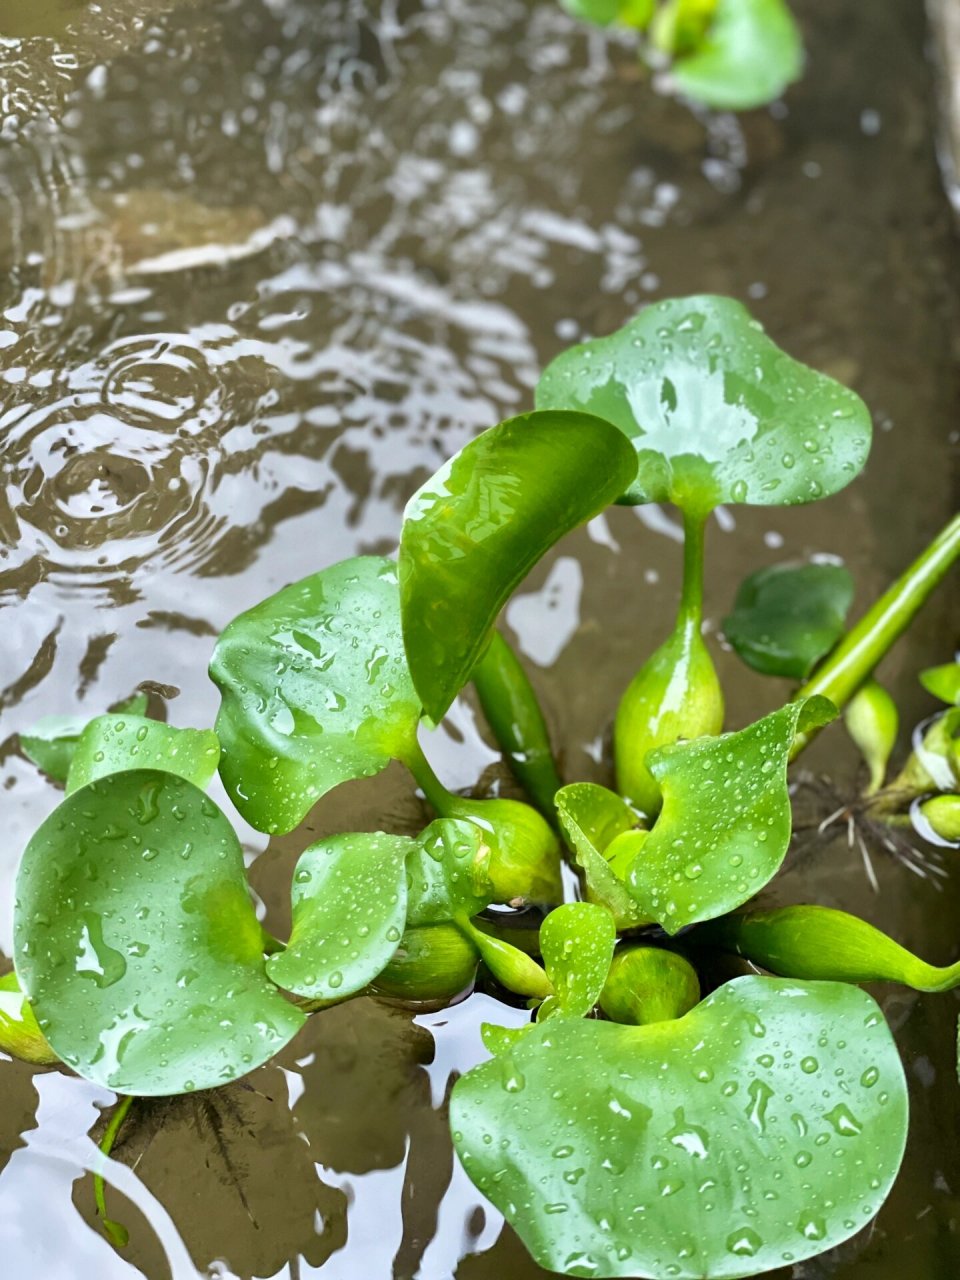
(264, 264)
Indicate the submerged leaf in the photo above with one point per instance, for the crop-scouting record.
(51, 742)
(787, 617)
(478, 526)
(716, 411)
(611, 1149)
(20, 1034)
(820, 942)
(726, 821)
(577, 941)
(315, 691)
(752, 51)
(116, 743)
(592, 818)
(137, 943)
(349, 908)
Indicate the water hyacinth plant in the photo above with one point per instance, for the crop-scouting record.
(646, 1121)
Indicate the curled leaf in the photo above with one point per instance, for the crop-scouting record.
(726, 821)
(315, 691)
(115, 743)
(716, 411)
(137, 943)
(511, 967)
(592, 818)
(478, 526)
(349, 909)
(609, 1148)
(787, 617)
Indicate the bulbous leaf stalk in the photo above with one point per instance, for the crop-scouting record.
(675, 694)
(872, 721)
(649, 984)
(433, 964)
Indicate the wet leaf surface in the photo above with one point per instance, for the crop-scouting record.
(576, 942)
(447, 872)
(726, 820)
(476, 528)
(787, 617)
(51, 742)
(137, 942)
(315, 691)
(592, 818)
(752, 52)
(717, 412)
(116, 743)
(764, 1127)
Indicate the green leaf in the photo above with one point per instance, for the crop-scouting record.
(717, 412)
(752, 51)
(116, 743)
(51, 742)
(478, 526)
(349, 908)
(576, 942)
(315, 691)
(511, 967)
(137, 944)
(592, 817)
(624, 13)
(447, 872)
(787, 617)
(498, 1040)
(20, 1035)
(764, 1127)
(943, 682)
(725, 824)
(819, 942)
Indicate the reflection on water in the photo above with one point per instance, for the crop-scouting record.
(264, 264)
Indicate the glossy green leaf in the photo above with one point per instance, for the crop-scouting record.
(448, 872)
(315, 691)
(498, 1040)
(137, 944)
(717, 412)
(349, 908)
(116, 743)
(943, 682)
(604, 13)
(592, 817)
(20, 1034)
(788, 616)
(476, 528)
(511, 967)
(726, 821)
(649, 984)
(751, 52)
(51, 742)
(819, 942)
(576, 942)
(764, 1127)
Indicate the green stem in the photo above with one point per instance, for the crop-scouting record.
(513, 713)
(428, 782)
(855, 657)
(691, 595)
(117, 1233)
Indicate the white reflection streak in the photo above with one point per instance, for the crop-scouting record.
(36, 1211)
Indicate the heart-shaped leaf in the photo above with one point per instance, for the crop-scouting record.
(478, 526)
(576, 942)
(820, 942)
(315, 691)
(447, 872)
(592, 818)
(751, 52)
(787, 617)
(349, 909)
(116, 743)
(943, 682)
(51, 742)
(764, 1127)
(726, 822)
(137, 943)
(20, 1034)
(717, 412)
